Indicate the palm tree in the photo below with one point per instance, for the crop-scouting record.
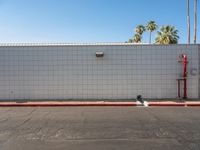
(137, 38)
(167, 35)
(195, 21)
(130, 41)
(151, 26)
(140, 29)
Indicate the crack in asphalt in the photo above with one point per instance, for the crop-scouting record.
(164, 123)
(12, 136)
(55, 125)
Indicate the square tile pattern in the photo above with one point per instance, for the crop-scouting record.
(74, 72)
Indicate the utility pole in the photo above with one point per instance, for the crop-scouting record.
(188, 18)
(195, 21)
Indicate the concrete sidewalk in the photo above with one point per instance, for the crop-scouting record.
(99, 103)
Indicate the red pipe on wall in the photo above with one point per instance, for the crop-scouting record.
(185, 75)
(179, 93)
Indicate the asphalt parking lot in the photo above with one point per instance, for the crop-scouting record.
(99, 128)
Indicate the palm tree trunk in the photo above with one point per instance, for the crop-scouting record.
(195, 21)
(188, 17)
(149, 37)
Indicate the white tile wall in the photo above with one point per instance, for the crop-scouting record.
(73, 72)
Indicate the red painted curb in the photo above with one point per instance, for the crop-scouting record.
(67, 104)
(193, 104)
(97, 104)
(174, 104)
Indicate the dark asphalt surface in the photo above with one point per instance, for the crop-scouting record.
(100, 128)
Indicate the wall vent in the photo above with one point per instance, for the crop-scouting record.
(99, 54)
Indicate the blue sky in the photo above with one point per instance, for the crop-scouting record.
(87, 20)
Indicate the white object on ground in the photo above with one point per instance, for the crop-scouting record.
(139, 103)
(146, 104)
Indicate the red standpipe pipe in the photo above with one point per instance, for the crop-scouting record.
(179, 94)
(185, 75)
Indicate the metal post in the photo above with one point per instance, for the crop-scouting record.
(195, 21)
(188, 18)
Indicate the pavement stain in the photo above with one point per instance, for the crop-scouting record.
(49, 125)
